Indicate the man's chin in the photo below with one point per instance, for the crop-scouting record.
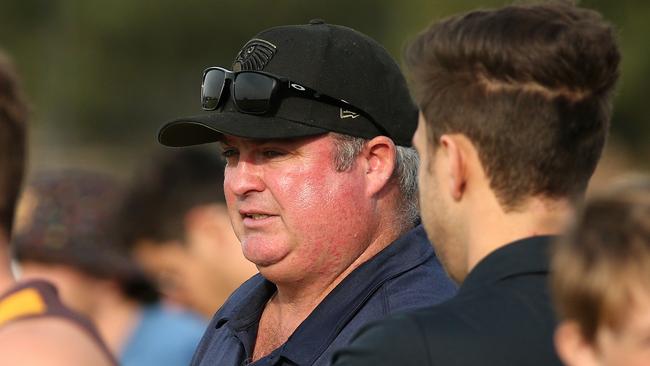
(264, 260)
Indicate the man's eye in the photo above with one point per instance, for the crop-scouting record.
(270, 154)
(228, 153)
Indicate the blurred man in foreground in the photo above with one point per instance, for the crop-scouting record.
(66, 233)
(177, 227)
(31, 314)
(600, 280)
(315, 124)
(515, 108)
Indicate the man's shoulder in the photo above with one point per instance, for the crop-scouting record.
(26, 299)
(422, 285)
(443, 320)
(503, 308)
(31, 312)
(59, 342)
(416, 326)
(497, 324)
(465, 332)
(396, 340)
(416, 277)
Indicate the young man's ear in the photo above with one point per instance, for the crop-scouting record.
(379, 162)
(571, 346)
(454, 162)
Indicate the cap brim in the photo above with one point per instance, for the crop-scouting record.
(210, 127)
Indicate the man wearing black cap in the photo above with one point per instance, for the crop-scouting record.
(315, 123)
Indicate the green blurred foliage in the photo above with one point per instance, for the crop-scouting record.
(109, 73)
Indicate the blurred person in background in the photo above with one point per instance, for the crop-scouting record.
(515, 105)
(601, 280)
(66, 233)
(177, 227)
(35, 327)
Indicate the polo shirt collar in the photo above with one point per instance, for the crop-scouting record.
(528, 255)
(243, 318)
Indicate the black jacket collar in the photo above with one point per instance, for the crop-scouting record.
(528, 255)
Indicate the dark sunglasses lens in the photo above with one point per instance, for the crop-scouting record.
(253, 92)
(213, 82)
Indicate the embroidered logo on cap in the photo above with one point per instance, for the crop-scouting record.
(344, 113)
(255, 54)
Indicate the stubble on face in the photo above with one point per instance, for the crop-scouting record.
(436, 210)
(314, 212)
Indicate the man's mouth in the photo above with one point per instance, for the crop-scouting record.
(256, 216)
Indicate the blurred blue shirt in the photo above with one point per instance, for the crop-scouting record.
(163, 336)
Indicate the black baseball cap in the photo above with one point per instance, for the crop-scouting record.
(331, 59)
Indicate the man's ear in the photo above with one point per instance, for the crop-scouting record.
(379, 156)
(454, 162)
(571, 346)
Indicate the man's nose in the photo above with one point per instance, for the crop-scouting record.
(244, 178)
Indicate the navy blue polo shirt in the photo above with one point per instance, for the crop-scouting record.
(405, 275)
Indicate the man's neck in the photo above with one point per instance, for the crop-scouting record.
(294, 302)
(116, 318)
(539, 216)
(306, 293)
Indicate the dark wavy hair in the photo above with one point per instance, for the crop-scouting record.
(530, 85)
